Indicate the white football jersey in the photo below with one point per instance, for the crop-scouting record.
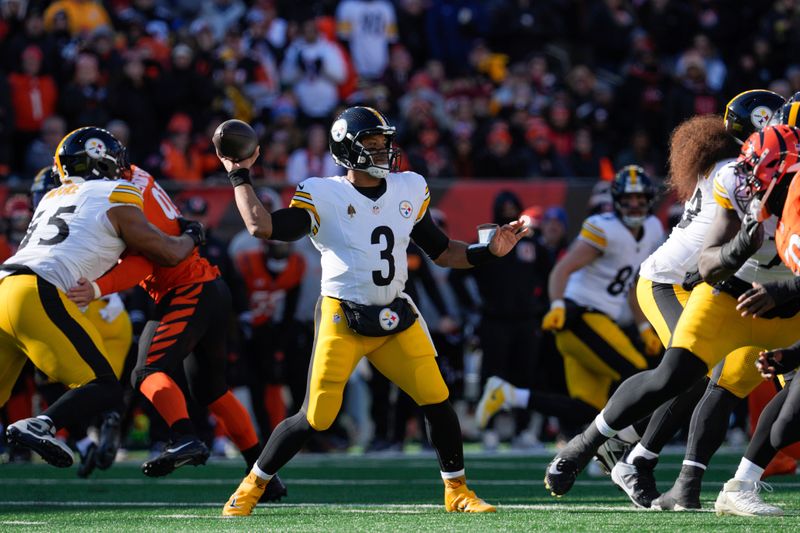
(679, 254)
(70, 236)
(370, 27)
(363, 242)
(765, 265)
(604, 283)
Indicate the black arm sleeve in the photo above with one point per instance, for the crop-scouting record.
(429, 237)
(290, 224)
(431, 288)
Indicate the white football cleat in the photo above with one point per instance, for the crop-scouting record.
(40, 436)
(741, 498)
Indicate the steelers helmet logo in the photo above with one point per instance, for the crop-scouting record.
(760, 116)
(388, 319)
(339, 130)
(406, 209)
(95, 148)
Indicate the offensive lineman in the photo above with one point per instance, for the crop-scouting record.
(362, 224)
(588, 289)
(698, 342)
(78, 230)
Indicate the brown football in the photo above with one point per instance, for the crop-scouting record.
(235, 140)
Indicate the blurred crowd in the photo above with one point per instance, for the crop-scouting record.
(477, 88)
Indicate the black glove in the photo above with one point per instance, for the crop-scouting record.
(790, 359)
(691, 280)
(745, 243)
(193, 229)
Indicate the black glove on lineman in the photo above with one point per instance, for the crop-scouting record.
(193, 229)
(790, 359)
(745, 243)
(691, 280)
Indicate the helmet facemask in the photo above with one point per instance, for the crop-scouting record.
(632, 221)
(376, 163)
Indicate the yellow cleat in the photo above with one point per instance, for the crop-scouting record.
(459, 499)
(244, 500)
(496, 396)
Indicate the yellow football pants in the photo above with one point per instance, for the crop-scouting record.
(117, 335)
(407, 358)
(596, 354)
(711, 328)
(39, 323)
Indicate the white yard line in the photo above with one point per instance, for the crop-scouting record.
(178, 482)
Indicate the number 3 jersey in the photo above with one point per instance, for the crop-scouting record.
(363, 241)
(70, 235)
(679, 254)
(604, 283)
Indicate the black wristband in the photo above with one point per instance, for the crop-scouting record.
(479, 254)
(240, 176)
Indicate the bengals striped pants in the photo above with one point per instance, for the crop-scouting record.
(190, 328)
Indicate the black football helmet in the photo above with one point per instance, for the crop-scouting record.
(45, 181)
(90, 154)
(751, 111)
(352, 125)
(788, 114)
(631, 179)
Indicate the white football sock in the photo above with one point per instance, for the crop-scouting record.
(83, 444)
(519, 397)
(604, 429)
(640, 451)
(260, 473)
(453, 475)
(748, 471)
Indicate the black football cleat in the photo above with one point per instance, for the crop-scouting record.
(684, 494)
(564, 469)
(109, 441)
(88, 461)
(637, 480)
(39, 436)
(188, 450)
(275, 490)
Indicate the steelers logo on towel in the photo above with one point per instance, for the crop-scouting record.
(406, 209)
(95, 148)
(388, 319)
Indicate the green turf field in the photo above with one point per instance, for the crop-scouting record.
(358, 493)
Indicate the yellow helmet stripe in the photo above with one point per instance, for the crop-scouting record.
(793, 111)
(377, 114)
(58, 149)
(633, 175)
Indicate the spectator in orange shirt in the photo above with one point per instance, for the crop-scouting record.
(33, 97)
(180, 160)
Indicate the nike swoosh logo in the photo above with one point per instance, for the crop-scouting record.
(233, 504)
(553, 468)
(181, 462)
(300, 186)
(182, 446)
